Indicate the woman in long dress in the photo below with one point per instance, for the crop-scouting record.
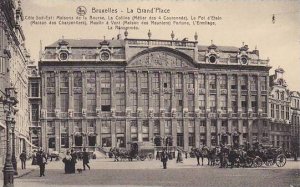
(68, 163)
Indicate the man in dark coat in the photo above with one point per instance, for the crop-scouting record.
(85, 159)
(73, 161)
(164, 158)
(41, 161)
(23, 159)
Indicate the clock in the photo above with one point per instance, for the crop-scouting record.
(212, 59)
(104, 56)
(63, 56)
(244, 60)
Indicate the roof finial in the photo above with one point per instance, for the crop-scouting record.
(126, 33)
(149, 34)
(103, 37)
(172, 35)
(62, 37)
(243, 43)
(255, 47)
(212, 42)
(196, 36)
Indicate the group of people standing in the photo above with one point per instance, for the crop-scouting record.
(71, 158)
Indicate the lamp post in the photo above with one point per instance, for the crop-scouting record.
(9, 102)
(13, 156)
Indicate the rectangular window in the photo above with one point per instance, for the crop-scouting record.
(144, 79)
(201, 102)
(168, 127)
(212, 102)
(77, 79)
(191, 133)
(264, 104)
(287, 113)
(179, 102)
(2, 65)
(223, 102)
(234, 104)
(105, 102)
(263, 83)
(254, 103)
(212, 81)
(64, 102)
(277, 111)
(50, 102)
(167, 80)
(77, 103)
(178, 81)
(244, 82)
(105, 81)
(64, 79)
(272, 110)
(190, 80)
(145, 130)
(34, 89)
(91, 80)
(282, 112)
(201, 81)
(105, 126)
(34, 112)
(91, 103)
(223, 82)
(133, 102)
(120, 81)
(244, 103)
(233, 82)
(167, 102)
(155, 80)
(145, 101)
(155, 98)
(50, 79)
(120, 102)
(253, 83)
(191, 103)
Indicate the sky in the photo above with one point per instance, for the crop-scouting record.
(241, 21)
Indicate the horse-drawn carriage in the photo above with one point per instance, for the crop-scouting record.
(269, 156)
(138, 150)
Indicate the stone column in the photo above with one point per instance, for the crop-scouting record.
(239, 94)
(249, 94)
(84, 96)
(57, 94)
(229, 107)
(218, 130)
(196, 92)
(151, 124)
(139, 94)
(84, 130)
(207, 103)
(112, 94)
(150, 75)
(260, 129)
(240, 129)
(113, 133)
(98, 93)
(161, 92)
(259, 95)
(98, 131)
(208, 132)
(139, 128)
(250, 123)
(185, 92)
(128, 133)
(197, 132)
(174, 131)
(218, 76)
(57, 135)
(186, 134)
(43, 134)
(71, 95)
(70, 132)
(230, 131)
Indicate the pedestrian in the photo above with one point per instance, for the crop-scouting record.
(164, 158)
(179, 157)
(68, 162)
(41, 161)
(34, 162)
(85, 159)
(198, 154)
(73, 161)
(186, 155)
(23, 158)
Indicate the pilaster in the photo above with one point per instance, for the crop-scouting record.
(197, 132)
(208, 132)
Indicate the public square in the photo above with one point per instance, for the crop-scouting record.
(106, 172)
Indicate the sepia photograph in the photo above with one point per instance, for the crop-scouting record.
(155, 93)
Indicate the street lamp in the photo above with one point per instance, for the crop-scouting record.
(9, 102)
(13, 156)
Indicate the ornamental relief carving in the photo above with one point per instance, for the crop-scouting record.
(77, 90)
(159, 59)
(91, 90)
(50, 90)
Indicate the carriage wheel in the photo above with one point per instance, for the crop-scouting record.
(257, 162)
(142, 158)
(248, 162)
(150, 156)
(280, 160)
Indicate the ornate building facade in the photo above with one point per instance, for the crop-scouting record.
(295, 121)
(280, 106)
(13, 62)
(110, 92)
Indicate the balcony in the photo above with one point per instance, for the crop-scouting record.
(150, 42)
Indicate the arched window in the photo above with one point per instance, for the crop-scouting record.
(282, 96)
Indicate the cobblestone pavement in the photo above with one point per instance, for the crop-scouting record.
(106, 172)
